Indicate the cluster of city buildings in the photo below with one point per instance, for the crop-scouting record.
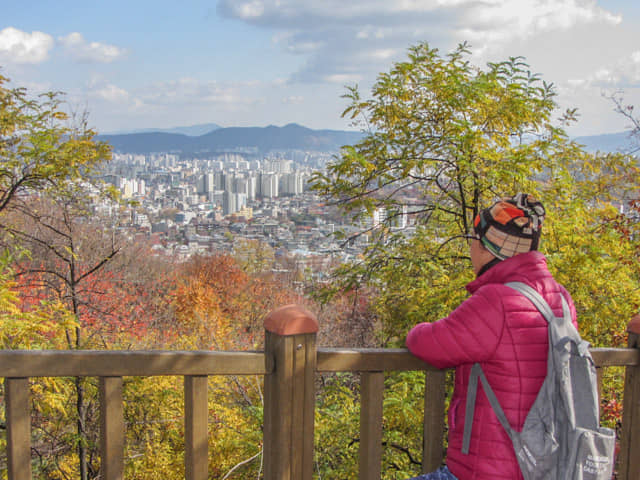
(200, 205)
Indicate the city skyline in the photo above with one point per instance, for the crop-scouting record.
(141, 65)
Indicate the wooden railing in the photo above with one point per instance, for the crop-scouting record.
(289, 364)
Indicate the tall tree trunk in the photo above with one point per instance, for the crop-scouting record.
(82, 418)
(81, 408)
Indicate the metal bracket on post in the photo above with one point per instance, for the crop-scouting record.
(289, 393)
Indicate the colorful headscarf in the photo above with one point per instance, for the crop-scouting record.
(510, 226)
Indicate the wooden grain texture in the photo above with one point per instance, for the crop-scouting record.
(289, 364)
(18, 428)
(195, 427)
(111, 429)
(368, 360)
(92, 363)
(371, 401)
(434, 424)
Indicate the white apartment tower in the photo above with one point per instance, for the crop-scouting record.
(269, 185)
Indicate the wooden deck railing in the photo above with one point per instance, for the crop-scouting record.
(289, 365)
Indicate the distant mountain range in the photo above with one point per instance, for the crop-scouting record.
(610, 142)
(191, 131)
(211, 138)
(258, 139)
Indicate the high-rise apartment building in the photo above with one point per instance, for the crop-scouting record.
(268, 185)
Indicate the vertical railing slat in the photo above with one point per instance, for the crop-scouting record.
(195, 428)
(18, 428)
(371, 401)
(434, 396)
(111, 429)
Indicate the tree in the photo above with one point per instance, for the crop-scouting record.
(39, 150)
(46, 167)
(444, 139)
(627, 111)
(254, 256)
(67, 254)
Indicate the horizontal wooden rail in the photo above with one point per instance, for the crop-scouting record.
(616, 357)
(368, 360)
(400, 359)
(98, 363)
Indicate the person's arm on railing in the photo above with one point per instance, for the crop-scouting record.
(469, 334)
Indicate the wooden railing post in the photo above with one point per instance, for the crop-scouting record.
(195, 427)
(289, 396)
(18, 419)
(629, 455)
(433, 427)
(111, 429)
(371, 403)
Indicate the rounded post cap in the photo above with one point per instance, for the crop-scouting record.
(291, 320)
(634, 324)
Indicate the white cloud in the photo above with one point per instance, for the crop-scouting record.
(343, 78)
(190, 91)
(252, 9)
(182, 100)
(502, 20)
(17, 46)
(358, 38)
(384, 53)
(293, 100)
(112, 93)
(92, 52)
(621, 74)
(538, 13)
(370, 32)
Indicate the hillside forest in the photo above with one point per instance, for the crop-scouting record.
(439, 132)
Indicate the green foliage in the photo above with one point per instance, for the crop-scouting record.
(337, 429)
(254, 256)
(154, 427)
(39, 151)
(337, 426)
(403, 410)
(445, 139)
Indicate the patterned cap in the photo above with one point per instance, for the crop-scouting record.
(510, 226)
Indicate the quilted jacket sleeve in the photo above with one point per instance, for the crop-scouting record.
(469, 334)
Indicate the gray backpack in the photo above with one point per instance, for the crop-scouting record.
(561, 438)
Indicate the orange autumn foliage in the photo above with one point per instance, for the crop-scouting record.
(222, 305)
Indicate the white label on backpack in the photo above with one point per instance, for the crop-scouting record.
(595, 464)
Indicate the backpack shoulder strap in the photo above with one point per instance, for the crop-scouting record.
(539, 302)
(476, 371)
(472, 388)
(559, 327)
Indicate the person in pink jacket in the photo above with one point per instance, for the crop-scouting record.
(499, 328)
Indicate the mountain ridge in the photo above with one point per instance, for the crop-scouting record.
(609, 142)
(292, 136)
(263, 139)
(190, 131)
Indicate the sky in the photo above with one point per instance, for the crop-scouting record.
(139, 64)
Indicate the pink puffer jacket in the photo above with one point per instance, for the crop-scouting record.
(502, 330)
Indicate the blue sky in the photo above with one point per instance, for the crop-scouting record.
(160, 64)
